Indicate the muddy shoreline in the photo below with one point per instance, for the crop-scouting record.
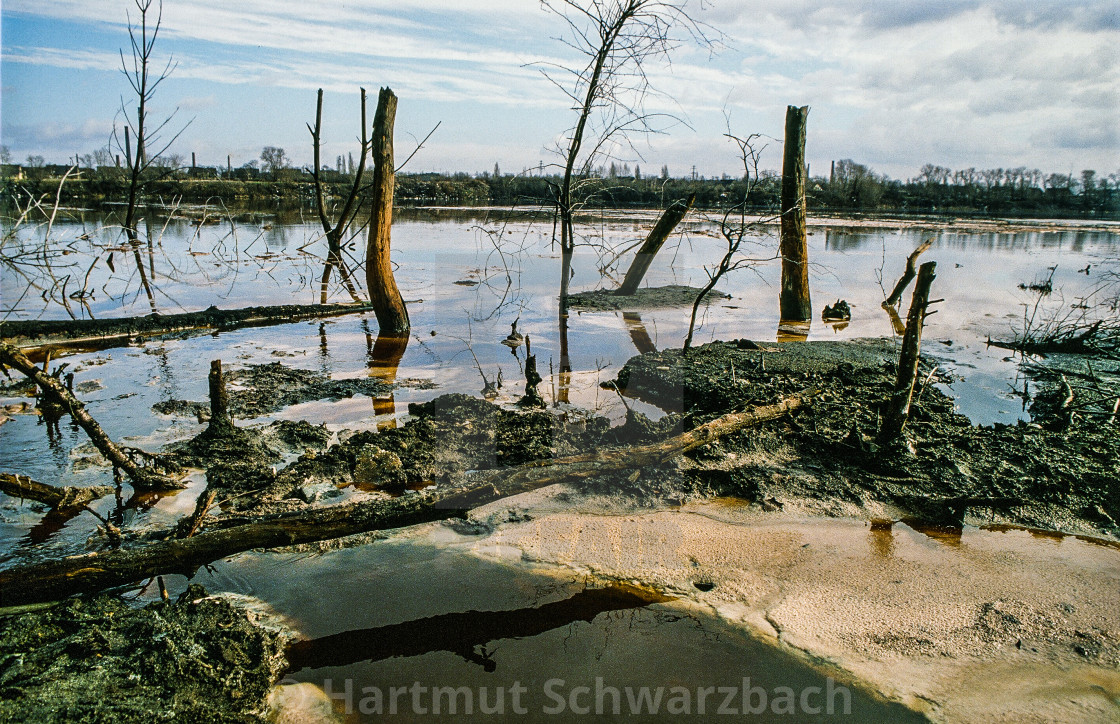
(1055, 473)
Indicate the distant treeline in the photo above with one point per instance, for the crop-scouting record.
(849, 186)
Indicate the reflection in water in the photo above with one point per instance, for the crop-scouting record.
(51, 523)
(460, 633)
(638, 334)
(383, 357)
(564, 379)
(793, 331)
(949, 535)
(896, 323)
(881, 538)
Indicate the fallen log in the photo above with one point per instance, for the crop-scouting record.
(64, 499)
(908, 275)
(653, 243)
(142, 478)
(35, 333)
(96, 571)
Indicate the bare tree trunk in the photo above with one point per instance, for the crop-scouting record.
(898, 406)
(95, 571)
(21, 486)
(142, 478)
(653, 243)
(220, 421)
(908, 275)
(388, 305)
(794, 297)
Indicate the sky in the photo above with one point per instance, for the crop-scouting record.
(893, 84)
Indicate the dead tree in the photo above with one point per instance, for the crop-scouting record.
(616, 38)
(334, 232)
(95, 571)
(898, 405)
(794, 297)
(733, 226)
(67, 498)
(388, 304)
(144, 81)
(653, 243)
(143, 478)
(895, 296)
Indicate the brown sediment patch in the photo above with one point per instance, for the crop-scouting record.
(986, 626)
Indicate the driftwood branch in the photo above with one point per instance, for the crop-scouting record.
(142, 478)
(67, 498)
(653, 243)
(95, 571)
(35, 332)
(908, 275)
(898, 406)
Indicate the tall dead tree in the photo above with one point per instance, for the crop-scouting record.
(335, 231)
(653, 243)
(794, 297)
(615, 38)
(898, 406)
(139, 135)
(388, 304)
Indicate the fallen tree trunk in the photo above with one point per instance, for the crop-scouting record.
(142, 478)
(36, 333)
(653, 244)
(95, 571)
(67, 498)
(908, 275)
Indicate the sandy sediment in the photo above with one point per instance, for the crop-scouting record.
(983, 625)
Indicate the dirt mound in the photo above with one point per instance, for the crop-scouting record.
(1038, 474)
(262, 389)
(199, 659)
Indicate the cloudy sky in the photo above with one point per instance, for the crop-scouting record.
(892, 83)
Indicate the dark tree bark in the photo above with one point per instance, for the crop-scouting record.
(388, 305)
(898, 406)
(653, 243)
(67, 498)
(794, 297)
(142, 478)
(908, 275)
(95, 571)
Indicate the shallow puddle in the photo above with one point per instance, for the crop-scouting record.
(425, 610)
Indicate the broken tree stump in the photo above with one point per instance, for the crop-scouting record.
(898, 405)
(793, 299)
(55, 579)
(388, 304)
(911, 261)
(220, 421)
(653, 243)
(142, 478)
(67, 498)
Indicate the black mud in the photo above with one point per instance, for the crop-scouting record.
(199, 659)
(675, 295)
(439, 444)
(1055, 472)
(262, 389)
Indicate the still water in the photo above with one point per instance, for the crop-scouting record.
(467, 275)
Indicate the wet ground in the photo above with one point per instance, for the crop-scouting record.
(823, 462)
